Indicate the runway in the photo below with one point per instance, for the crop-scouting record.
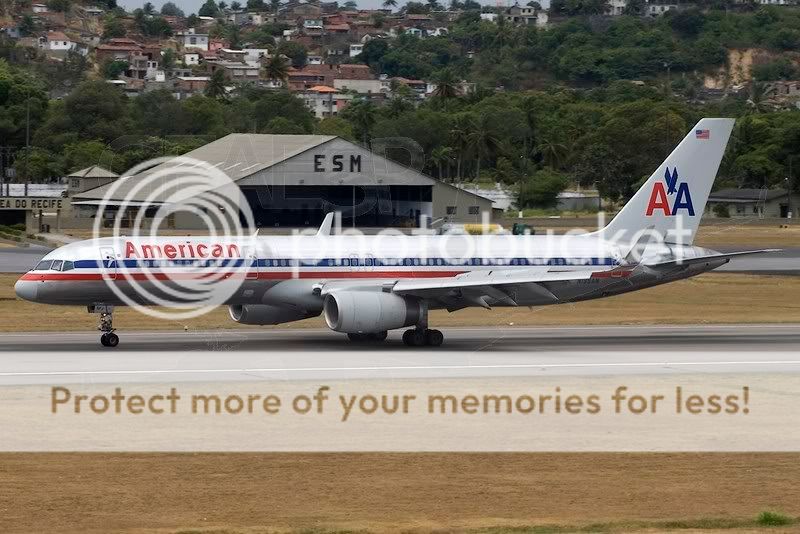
(476, 352)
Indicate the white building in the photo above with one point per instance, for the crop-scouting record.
(191, 39)
(356, 49)
(314, 60)
(59, 41)
(325, 101)
(363, 87)
(39, 8)
(253, 56)
(191, 58)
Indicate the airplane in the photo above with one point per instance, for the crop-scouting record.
(365, 286)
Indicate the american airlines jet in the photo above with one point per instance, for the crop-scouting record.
(367, 285)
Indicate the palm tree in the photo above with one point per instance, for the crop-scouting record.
(757, 100)
(216, 85)
(442, 156)
(446, 86)
(529, 106)
(276, 68)
(483, 140)
(459, 136)
(553, 153)
(275, 5)
(390, 3)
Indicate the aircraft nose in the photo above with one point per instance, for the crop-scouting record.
(26, 289)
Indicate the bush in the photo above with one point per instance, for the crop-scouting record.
(722, 210)
(773, 519)
(542, 189)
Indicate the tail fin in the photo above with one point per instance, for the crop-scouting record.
(673, 199)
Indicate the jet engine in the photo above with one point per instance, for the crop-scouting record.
(264, 314)
(366, 312)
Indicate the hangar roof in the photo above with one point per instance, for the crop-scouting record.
(265, 159)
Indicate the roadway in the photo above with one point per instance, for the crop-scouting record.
(285, 354)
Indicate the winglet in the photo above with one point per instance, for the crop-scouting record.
(327, 224)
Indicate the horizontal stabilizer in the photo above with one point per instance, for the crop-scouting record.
(713, 257)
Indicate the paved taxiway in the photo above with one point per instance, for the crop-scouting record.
(476, 352)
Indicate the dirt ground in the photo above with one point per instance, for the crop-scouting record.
(385, 492)
(706, 299)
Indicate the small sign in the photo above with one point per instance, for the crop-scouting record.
(30, 203)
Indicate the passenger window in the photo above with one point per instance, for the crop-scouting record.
(57, 265)
(43, 265)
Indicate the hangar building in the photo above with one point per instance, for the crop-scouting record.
(293, 180)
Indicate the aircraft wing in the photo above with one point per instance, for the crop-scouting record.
(712, 257)
(505, 286)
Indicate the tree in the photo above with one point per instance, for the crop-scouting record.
(390, 4)
(222, 5)
(192, 21)
(168, 58)
(463, 124)
(169, 9)
(282, 125)
(255, 5)
(483, 140)
(275, 5)
(552, 153)
(216, 85)
(635, 8)
(541, 190)
(27, 25)
(208, 9)
(276, 68)
(148, 8)
(335, 126)
(112, 69)
(361, 114)
(351, 5)
(113, 27)
(236, 6)
(446, 85)
(37, 165)
(295, 51)
(373, 52)
(442, 156)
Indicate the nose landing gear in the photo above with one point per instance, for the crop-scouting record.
(108, 338)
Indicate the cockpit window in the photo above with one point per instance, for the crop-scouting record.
(68, 266)
(43, 265)
(57, 265)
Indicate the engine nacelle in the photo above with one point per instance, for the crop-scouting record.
(366, 312)
(264, 314)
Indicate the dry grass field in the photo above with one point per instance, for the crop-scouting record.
(709, 298)
(394, 492)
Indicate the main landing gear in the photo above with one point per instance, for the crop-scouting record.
(108, 338)
(420, 337)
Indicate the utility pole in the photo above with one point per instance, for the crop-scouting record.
(790, 182)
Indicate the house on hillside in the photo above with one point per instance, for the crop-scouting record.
(191, 39)
(59, 41)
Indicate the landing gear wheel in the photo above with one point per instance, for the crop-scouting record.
(104, 340)
(112, 339)
(414, 337)
(434, 338)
